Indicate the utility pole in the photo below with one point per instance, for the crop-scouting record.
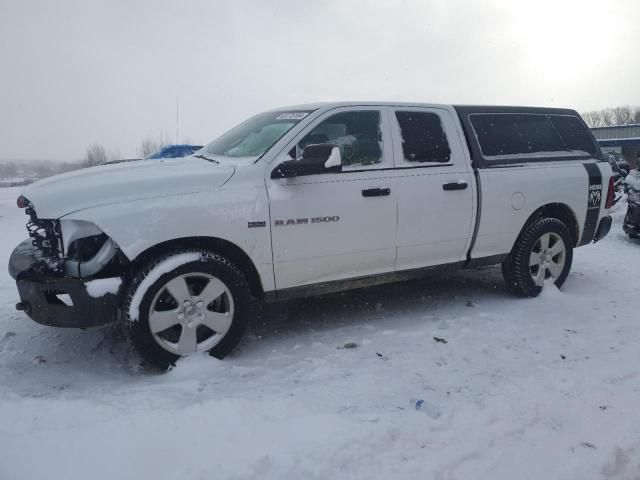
(177, 118)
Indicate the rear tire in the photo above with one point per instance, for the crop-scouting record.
(184, 302)
(543, 250)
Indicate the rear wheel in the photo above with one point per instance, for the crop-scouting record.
(543, 251)
(186, 302)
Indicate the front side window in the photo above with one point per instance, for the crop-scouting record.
(255, 136)
(423, 138)
(357, 134)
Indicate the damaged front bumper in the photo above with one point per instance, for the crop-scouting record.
(51, 298)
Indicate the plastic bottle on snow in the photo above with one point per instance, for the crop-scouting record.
(421, 406)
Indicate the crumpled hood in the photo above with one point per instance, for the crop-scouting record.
(60, 195)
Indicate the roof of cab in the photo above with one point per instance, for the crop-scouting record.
(460, 108)
(358, 103)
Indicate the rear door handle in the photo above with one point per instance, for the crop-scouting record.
(459, 185)
(376, 192)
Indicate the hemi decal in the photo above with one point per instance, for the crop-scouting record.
(594, 200)
(257, 224)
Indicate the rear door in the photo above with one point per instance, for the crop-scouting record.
(436, 189)
(334, 226)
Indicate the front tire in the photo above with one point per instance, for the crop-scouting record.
(185, 302)
(543, 250)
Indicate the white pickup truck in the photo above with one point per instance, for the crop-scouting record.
(308, 200)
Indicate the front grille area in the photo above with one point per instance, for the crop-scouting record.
(45, 234)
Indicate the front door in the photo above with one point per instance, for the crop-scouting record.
(334, 226)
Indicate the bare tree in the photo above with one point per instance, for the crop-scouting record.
(149, 146)
(607, 117)
(623, 115)
(96, 155)
(114, 154)
(593, 118)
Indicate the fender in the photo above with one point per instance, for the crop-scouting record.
(223, 213)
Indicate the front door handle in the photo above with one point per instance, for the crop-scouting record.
(376, 192)
(459, 185)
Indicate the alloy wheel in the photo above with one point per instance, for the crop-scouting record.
(191, 313)
(547, 259)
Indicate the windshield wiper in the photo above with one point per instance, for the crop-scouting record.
(207, 158)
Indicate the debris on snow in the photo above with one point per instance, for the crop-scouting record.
(422, 406)
(440, 340)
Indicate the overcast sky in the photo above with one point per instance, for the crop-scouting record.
(108, 72)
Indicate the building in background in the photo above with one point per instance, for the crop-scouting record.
(624, 139)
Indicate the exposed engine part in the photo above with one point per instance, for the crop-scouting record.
(88, 268)
(88, 249)
(46, 237)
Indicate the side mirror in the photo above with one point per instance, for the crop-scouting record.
(316, 159)
(334, 160)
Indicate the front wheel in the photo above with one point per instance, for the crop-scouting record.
(543, 251)
(186, 302)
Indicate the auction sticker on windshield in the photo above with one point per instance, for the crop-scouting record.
(292, 116)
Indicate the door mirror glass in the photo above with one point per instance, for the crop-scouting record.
(318, 151)
(316, 159)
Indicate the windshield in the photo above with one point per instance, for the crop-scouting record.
(255, 136)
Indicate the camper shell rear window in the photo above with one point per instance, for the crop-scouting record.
(531, 136)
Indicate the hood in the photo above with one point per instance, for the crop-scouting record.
(123, 182)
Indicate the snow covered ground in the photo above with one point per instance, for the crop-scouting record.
(545, 388)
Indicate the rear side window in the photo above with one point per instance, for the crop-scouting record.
(423, 138)
(574, 134)
(515, 134)
(504, 136)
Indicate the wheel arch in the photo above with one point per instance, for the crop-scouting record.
(220, 246)
(560, 211)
